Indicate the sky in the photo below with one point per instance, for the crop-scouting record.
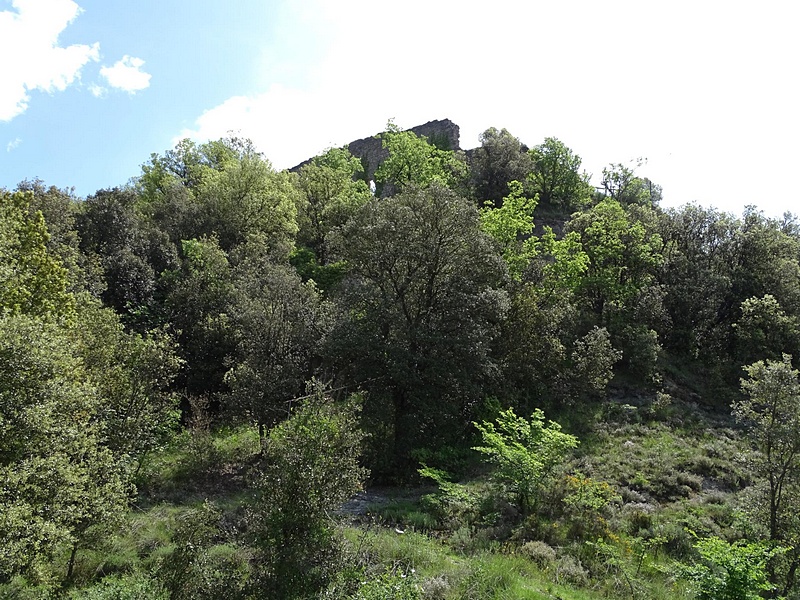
(705, 90)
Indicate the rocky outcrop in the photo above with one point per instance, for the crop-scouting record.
(443, 134)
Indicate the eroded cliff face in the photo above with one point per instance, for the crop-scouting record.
(442, 133)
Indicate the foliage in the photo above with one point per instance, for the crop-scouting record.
(57, 481)
(623, 255)
(556, 177)
(32, 280)
(390, 586)
(419, 311)
(280, 323)
(524, 452)
(500, 159)
(198, 305)
(453, 503)
(311, 465)
(730, 571)
(623, 185)
(772, 412)
(511, 226)
(331, 195)
(412, 161)
(133, 374)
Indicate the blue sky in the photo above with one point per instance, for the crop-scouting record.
(706, 91)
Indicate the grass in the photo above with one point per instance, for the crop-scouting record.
(673, 477)
(502, 575)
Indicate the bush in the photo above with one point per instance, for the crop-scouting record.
(524, 452)
(730, 571)
(311, 466)
(540, 553)
(134, 586)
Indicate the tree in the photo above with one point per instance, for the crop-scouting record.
(412, 161)
(280, 325)
(525, 453)
(32, 280)
(242, 195)
(198, 305)
(511, 225)
(57, 480)
(133, 373)
(500, 159)
(771, 411)
(623, 255)
(556, 177)
(730, 571)
(132, 251)
(223, 188)
(624, 186)
(331, 196)
(60, 207)
(765, 330)
(419, 311)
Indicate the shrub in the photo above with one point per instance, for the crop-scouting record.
(730, 571)
(524, 452)
(540, 553)
(311, 466)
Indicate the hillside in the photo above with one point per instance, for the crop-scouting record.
(547, 390)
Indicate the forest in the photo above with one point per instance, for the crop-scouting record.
(474, 376)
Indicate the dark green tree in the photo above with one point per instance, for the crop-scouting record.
(500, 159)
(419, 312)
(280, 324)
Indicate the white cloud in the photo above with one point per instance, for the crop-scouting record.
(701, 89)
(13, 144)
(31, 56)
(126, 75)
(98, 91)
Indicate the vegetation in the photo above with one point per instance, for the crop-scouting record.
(202, 370)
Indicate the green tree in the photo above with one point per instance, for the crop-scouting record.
(60, 208)
(771, 410)
(730, 571)
(133, 373)
(280, 324)
(198, 305)
(331, 195)
(511, 225)
(697, 276)
(623, 255)
(419, 312)
(623, 185)
(765, 331)
(131, 250)
(414, 161)
(32, 280)
(223, 188)
(242, 195)
(556, 175)
(524, 452)
(57, 480)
